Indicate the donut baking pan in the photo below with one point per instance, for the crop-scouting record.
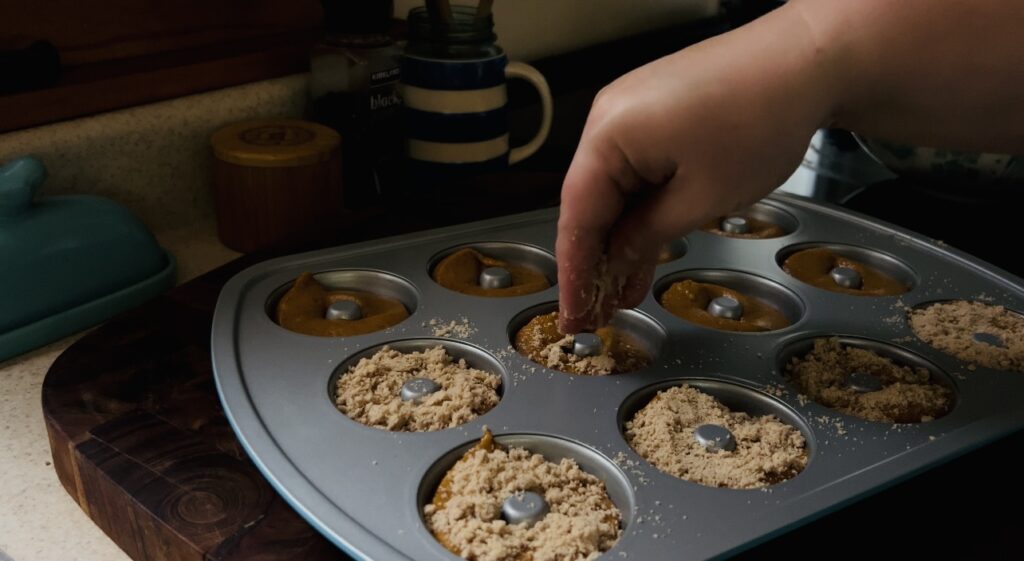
(364, 487)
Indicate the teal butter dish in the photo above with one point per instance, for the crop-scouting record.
(68, 262)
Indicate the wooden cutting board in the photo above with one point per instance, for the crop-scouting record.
(139, 440)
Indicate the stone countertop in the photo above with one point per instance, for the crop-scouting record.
(38, 520)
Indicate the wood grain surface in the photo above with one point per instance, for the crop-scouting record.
(140, 441)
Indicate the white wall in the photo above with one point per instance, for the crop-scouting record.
(530, 29)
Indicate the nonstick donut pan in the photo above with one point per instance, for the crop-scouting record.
(364, 488)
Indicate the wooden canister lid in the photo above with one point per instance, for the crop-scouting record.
(275, 143)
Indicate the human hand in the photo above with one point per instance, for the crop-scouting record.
(715, 127)
(678, 142)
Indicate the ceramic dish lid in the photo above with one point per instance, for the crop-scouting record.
(68, 261)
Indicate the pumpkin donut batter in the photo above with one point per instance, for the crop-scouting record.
(689, 300)
(757, 229)
(813, 266)
(461, 270)
(542, 342)
(303, 309)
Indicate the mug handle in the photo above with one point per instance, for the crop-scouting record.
(536, 79)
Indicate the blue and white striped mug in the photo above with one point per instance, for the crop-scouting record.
(456, 114)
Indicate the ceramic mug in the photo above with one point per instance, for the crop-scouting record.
(456, 114)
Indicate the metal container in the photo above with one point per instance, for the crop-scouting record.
(364, 488)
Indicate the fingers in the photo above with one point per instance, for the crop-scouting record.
(637, 285)
(607, 256)
(592, 201)
(606, 253)
(669, 146)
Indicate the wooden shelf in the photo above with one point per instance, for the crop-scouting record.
(103, 86)
(120, 53)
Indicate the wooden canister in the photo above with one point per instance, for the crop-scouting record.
(276, 182)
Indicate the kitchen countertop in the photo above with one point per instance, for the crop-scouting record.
(38, 520)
